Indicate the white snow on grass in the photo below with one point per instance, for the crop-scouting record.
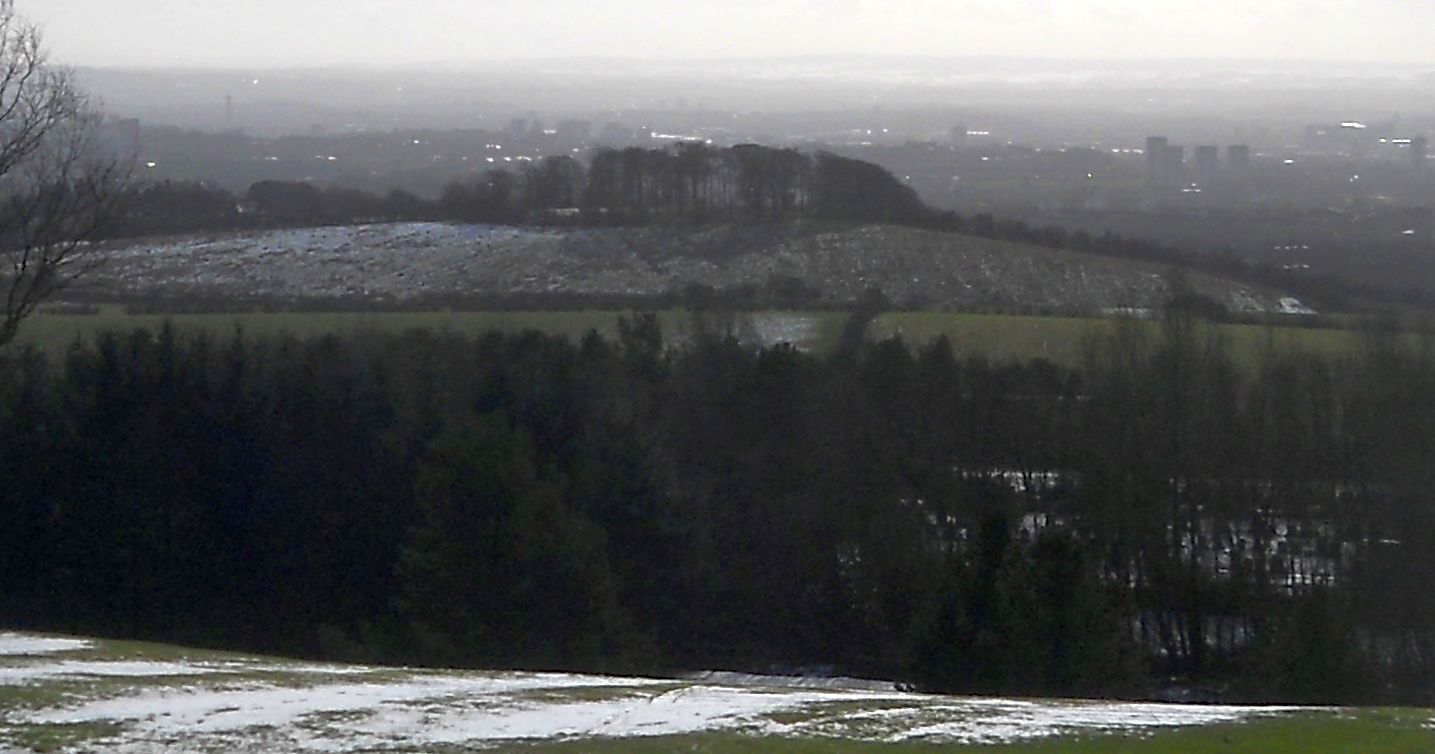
(258, 705)
(435, 261)
(397, 259)
(487, 710)
(346, 716)
(201, 709)
(31, 673)
(1006, 721)
(690, 709)
(21, 645)
(437, 712)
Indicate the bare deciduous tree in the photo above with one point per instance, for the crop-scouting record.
(59, 183)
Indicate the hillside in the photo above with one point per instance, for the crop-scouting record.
(68, 694)
(414, 263)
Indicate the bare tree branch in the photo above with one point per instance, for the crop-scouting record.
(59, 185)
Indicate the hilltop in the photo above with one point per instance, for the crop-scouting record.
(793, 264)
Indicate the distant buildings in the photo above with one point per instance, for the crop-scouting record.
(1208, 163)
(1165, 163)
(1386, 141)
(1173, 166)
(1166, 166)
(1238, 157)
(1155, 151)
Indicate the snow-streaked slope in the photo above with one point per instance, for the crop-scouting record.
(209, 704)
(20, 645)
(438, 262)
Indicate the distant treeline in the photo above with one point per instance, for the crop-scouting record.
(1156, 516)
(691, 183)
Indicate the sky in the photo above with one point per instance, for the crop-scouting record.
(286, 33)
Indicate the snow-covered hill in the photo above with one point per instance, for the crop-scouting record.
(418, 261)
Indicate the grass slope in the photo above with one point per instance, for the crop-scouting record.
(1383, 731)
(65, 695)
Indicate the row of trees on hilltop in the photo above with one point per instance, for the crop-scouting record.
(699, 183)
(691, 183)
(1262, 531)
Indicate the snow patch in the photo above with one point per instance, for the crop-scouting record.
(12, 645)
(1001, 721)
(30, 673)
(232, 709)
(682, 711)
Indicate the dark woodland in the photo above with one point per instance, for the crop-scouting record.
(1159, 521)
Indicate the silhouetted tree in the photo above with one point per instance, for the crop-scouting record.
(60, 186)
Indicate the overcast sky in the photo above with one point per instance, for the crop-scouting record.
(379, 32)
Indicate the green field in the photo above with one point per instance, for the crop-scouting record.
(1061, 339)
(998, 337)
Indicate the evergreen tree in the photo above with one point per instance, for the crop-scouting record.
(499, 571)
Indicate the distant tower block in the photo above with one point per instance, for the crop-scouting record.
(1419, 151)
(229, 112)
(1172, 170)
(1208, 162)
(1155, 152)
(1238, 157)
(959, 136)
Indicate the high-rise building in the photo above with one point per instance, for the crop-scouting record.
(1155, 154)
(1172, 170)
(959, 136)
(1419, 151)
(1238, 157)
(1208, 161)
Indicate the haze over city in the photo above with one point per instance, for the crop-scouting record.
(282, 33)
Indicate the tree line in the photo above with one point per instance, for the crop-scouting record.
(691, 182)
(1256, 532)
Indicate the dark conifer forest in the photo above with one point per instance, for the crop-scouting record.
(1160, 517)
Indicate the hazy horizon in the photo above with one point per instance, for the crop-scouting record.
(698, 61)
(383, 33)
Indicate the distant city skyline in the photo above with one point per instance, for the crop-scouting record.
(288, 33)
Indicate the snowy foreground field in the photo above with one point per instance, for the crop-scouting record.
(63, 694)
